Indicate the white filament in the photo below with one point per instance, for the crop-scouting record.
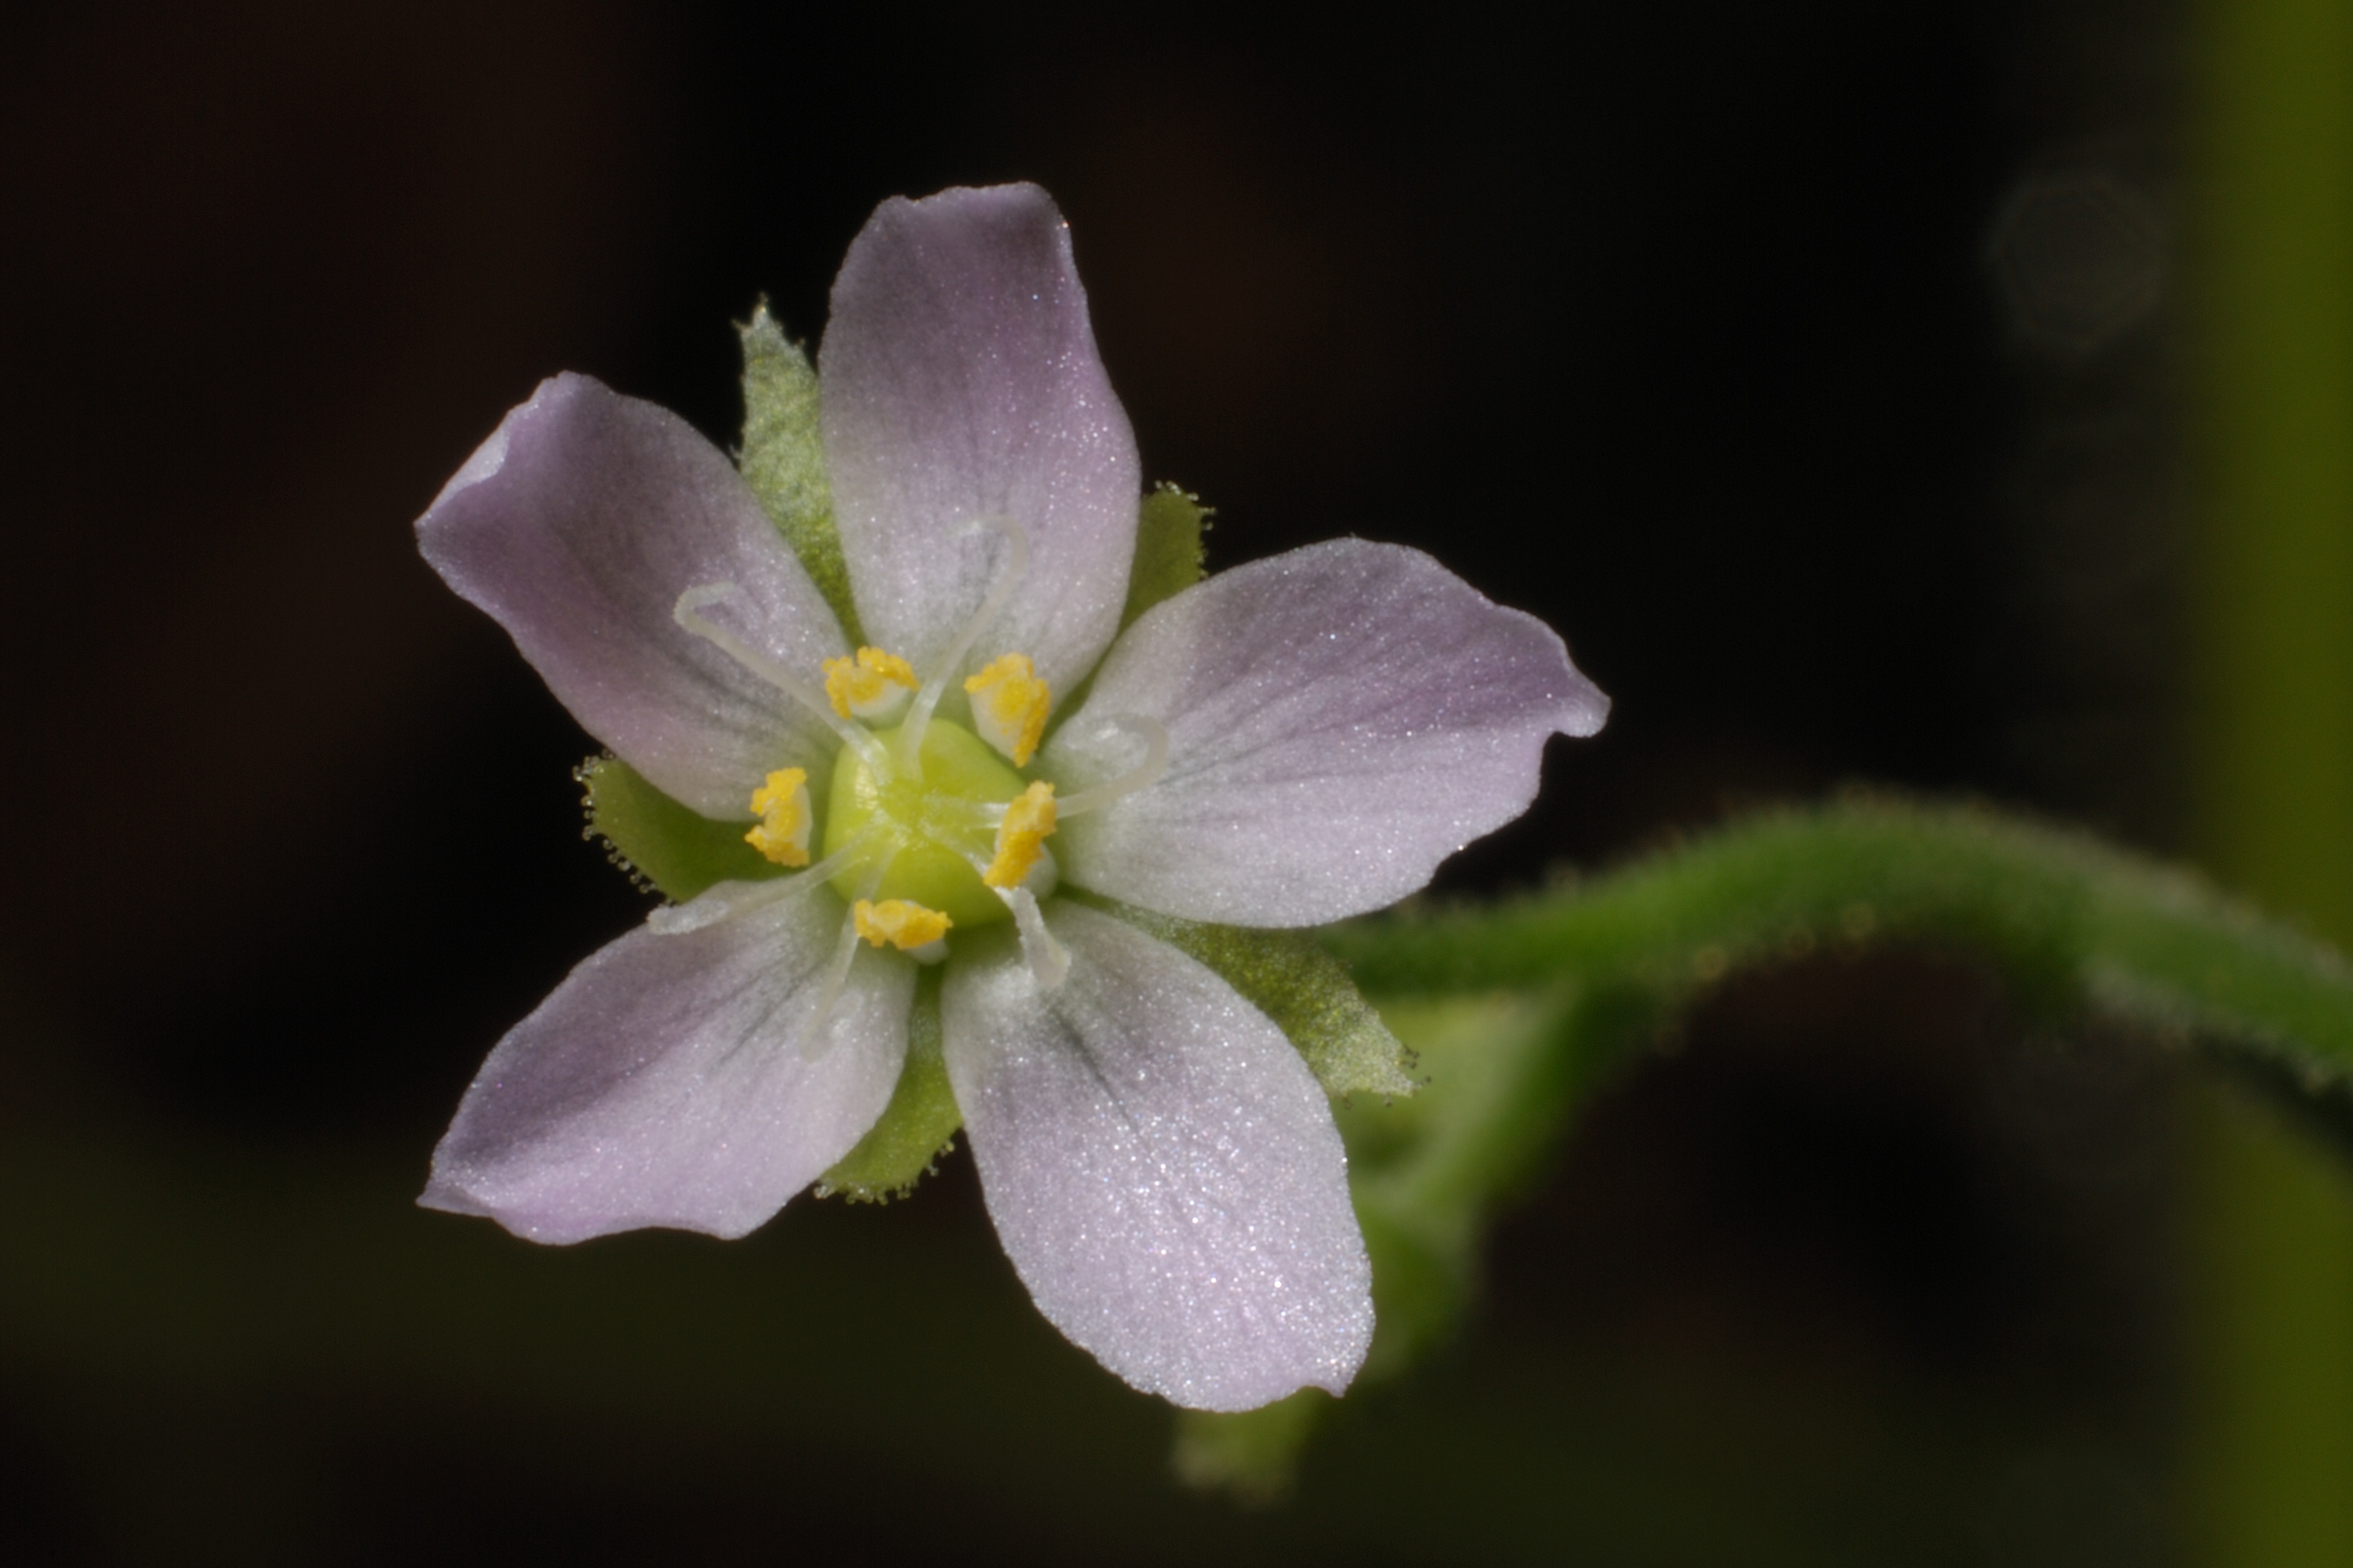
(687, 612)
(1011, 570)
(1142, 776)
(816, 1035)
(1049, 961)
(728, 899)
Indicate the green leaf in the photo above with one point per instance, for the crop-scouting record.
(1289, 977)
(1169, 549)
(653, 837)
(784, 458)
(917, 1127)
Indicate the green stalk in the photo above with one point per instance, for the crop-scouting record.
(2077, 927)
(2272, 1448)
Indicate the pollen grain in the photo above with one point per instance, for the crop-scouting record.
(1009, 705)
(870, 685)
(903, 925)
(782, 833)
(1021, 837)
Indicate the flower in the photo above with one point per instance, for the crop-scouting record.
(1294, 741)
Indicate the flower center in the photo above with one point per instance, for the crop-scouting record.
(925, 830)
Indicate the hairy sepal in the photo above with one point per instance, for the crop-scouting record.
(1168, 549)
(681, 852)
(918, 1126)
(783, 459)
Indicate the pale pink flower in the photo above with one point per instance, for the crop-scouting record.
(1295, 741)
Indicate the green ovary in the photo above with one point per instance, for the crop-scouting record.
(923, 823)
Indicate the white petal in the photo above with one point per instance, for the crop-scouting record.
(960, 382)
(1340, 720)
(1161, 1166)
(577, 526)
(662, 1084)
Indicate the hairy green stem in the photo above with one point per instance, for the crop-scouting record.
(2076, 926)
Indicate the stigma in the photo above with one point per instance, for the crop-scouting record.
(923, 828)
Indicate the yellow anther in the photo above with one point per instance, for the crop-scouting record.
(903, 925)
(866, 686)
(1010, 704)
(783, 832)
(1021, 836)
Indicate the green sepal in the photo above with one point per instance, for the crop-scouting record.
(1168, 553)
(657, 840)
(1251, 1456)
(783, 459)
(1288, 976)
(1168, 549)
(1425, 1178)
(918, 1126)
(1506, 1070)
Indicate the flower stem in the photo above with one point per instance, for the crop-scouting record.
(2077, 927)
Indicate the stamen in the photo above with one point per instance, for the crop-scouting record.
(870, 687)
(1021, 836)
(1039, 882)
(1049, 961)
(1142, 776)
(724, 902)
(687, 612)
(1011, 570)
(783, 832)
(979, 816)
(728, 899)
(901, 922)
(1009, 705)
(816, 1034)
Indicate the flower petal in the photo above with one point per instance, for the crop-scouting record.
(663, 1083)
(1340, 720)
(1161, 1166)
(961, 382)
(577, 526)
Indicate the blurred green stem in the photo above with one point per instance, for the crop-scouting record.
(2273, 1434)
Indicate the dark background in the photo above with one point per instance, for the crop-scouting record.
(1808, 366)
